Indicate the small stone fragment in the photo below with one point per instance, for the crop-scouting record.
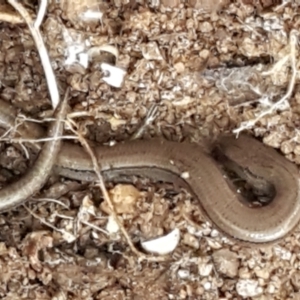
(191, 241)
(226, 262)
(287, 147)
(205, 269)
(296, 296)
(112, 226)
(170, 3)
(183, 274)
(282, 253)
(295, 280)
(248, 288)
(262, 273)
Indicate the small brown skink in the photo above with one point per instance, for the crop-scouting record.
(193, 168)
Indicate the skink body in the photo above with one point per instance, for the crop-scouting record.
(193, 168)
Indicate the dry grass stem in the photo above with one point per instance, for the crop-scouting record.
(284, 100)
(152, 114)
(51, 200)
(33, 141)
(41, 13)
(95, 227)
(67, 236)
(51, 81)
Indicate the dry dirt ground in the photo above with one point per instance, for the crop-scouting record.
(206, 68)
